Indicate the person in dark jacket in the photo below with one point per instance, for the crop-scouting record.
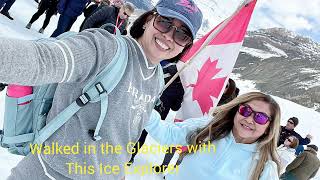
(69, 11)
(90, 9)
(6, 5)
(93, 7)
(304, 167)
(45, 5)
(230, 92)
(288, 130)
(171, 98)
(110, 14)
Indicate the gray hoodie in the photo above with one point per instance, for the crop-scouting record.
(74, 62)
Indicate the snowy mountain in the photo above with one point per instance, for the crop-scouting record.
(282, 63)
(213, 11)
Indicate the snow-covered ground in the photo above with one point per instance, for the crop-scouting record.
(259, 53)
(22, 11)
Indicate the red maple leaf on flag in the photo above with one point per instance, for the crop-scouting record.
(206, 87)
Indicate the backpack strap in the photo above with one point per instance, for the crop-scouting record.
(96, 90)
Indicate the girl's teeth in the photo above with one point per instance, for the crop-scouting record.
(162, 45)
(246, 126)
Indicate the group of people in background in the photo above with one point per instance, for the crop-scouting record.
(97, 15)
(296, 161)
(245, 128)
(103, 15)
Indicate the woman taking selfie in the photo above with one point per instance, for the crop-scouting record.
(163, 33)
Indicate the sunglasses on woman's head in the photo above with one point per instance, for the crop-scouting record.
(181, 35)
(259, 117)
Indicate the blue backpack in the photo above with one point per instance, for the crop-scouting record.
(25, 124)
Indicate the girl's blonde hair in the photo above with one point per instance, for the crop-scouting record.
(295, 142)
(222, 124)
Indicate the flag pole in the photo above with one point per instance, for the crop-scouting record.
(209, 38)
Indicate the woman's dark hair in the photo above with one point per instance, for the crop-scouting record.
(230, 94)
(136, 31)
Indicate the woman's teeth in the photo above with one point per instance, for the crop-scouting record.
(162, 45)
(247, 127)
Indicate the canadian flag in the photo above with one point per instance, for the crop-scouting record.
(205, 70)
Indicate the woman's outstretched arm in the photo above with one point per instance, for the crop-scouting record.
(71, 59)
(173, 133)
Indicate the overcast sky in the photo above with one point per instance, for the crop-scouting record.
(300, 16)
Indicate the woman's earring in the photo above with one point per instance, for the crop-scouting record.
(144, 26)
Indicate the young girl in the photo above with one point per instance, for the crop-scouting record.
(163, 33)
(240, 140)
(287, 151)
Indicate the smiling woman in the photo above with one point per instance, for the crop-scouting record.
(74, 61)
(244, 132)
(167, 31)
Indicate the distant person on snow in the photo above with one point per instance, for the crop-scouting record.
(48, 6)
(110, 14)
(93, 7)
(6, 5)
(69, 11)
(287, 151)
(288, 130)
(304, 167)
